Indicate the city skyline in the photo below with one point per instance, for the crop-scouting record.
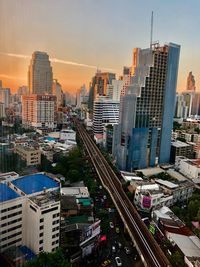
(81, 36)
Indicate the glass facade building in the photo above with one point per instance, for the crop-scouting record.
(143, 136)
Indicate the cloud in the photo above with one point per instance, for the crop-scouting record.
(5, 76)
(15, 55)
(61, 61)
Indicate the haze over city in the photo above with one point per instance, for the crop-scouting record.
(81, 36)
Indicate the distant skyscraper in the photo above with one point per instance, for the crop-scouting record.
(190, 82)
(114, 90)
(195, 110)
(181, 110)
(40, 76)
(22, 90)
(98, 86)
(80, 95)
(143, 136)
(57, 91)
(5, 96)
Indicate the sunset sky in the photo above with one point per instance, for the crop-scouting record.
(81, 35)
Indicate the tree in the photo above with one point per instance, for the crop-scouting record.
(45, 259)
(176, 125)
(73, 175)
(197, 130)
(177, 259)
(193, 208)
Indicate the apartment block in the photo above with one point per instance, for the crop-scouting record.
(30, 212)
(38, 111)
(31, 155)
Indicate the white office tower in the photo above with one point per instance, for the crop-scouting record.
(58, 92)
(30, 212)
(181, 107)
(114, 89)
(80, 96)
(106, 112)
(39, 111)
(40, 75)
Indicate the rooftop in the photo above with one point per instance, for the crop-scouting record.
(75, 191)
(45, 198)
(176, 175)
(7, 193)
(35, 183)
(26, 147)
(179, 144)
(195, 162)
(189, 245)
(166, 183)
(151, 171)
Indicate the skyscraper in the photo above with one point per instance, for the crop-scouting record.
(143, 136)
(58, 92)
(190, 86)
(40, 76)
(38, 111)
(5, 96)
(106, 112)
(98, 86)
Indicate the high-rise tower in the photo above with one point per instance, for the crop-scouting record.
(190, 86)
(143, 136)
(40, 76)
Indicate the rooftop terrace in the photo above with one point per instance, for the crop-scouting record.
(7, 193)
(35, 183)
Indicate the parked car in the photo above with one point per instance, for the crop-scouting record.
(118, 261)
(119, 244)
(127, 250)
(117, 230)
(106, 263)
(111, 225)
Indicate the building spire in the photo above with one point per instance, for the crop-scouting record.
(151, 35)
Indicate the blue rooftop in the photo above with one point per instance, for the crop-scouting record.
(35, 183)
(29, 255)
(7, 193)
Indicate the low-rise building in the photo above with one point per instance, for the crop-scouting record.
(179, 148)
(179, 235)
(31, 155)
(68, 134)
(188, 167)
(158, 193)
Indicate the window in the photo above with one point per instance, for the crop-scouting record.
(41, 227)
(49, 210)
(41, 220)
(32, 208)
(40, 248)
(41, 241)
(41, 234)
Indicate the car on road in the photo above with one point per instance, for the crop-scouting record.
(119, 244)
(127, 250)
(111, 225)
(118, 261)
(106, 263)
(117, 230)
(113, 249)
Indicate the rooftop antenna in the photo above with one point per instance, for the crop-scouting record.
(151, 37)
